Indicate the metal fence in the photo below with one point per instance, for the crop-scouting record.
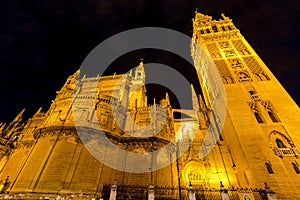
(135, 192)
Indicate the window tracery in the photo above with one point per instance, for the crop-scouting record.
(256, 68)
(271, 113)
(256, 112)
(243, 76)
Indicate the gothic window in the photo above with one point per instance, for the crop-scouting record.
(229, 27)
(207, 31)
(202, 32)
(221, 138)
(279, 143)
(296, 167)
(258, 118)
(223, 28)
(272, 116)
(269, 108)
(269, 167)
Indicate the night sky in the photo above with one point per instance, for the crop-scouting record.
(42, 43)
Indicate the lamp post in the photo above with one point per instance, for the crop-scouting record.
(178, 172)
(270, 193)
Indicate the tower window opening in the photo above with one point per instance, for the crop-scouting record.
(272, 116)
(207, 31)
(202, 32)
(229, 53)
(243, 77)
(258, 118)
(279, 143)
(269, 167)
(223, 28)
(254, 95)
(215, 29)
(296, 167)
(229, 27)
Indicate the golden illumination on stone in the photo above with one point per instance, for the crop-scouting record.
(259, 141)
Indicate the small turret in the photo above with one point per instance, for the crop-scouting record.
(140, 73)
(167, 98)
(166, 101)
(137, 92)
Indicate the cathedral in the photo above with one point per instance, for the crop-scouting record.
(85, 145)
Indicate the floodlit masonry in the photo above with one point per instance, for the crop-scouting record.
(258, 142)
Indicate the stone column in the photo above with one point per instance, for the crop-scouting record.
(151, 192)
(224, 192)
(270, 194)
(192, 195)
(113, 191)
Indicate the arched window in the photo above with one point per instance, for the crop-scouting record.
(221, 138)
(258, 118)
(279, 143)
(272, 116)
(269, 167)
(251, 92)
(296, 168)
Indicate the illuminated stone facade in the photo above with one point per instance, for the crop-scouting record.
(258, 143)
(262, 123)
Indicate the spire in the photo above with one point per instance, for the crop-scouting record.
(167, 98)
(2, 126)
(38, 111)
(18, 118)
(15, 125)
(141, 63)
(223, 16)
(140, 73)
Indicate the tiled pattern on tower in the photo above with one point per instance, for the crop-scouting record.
(242, 49)
(255, 68)
(224, 72)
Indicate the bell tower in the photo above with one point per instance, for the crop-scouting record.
(262, 124)
(137, 93)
